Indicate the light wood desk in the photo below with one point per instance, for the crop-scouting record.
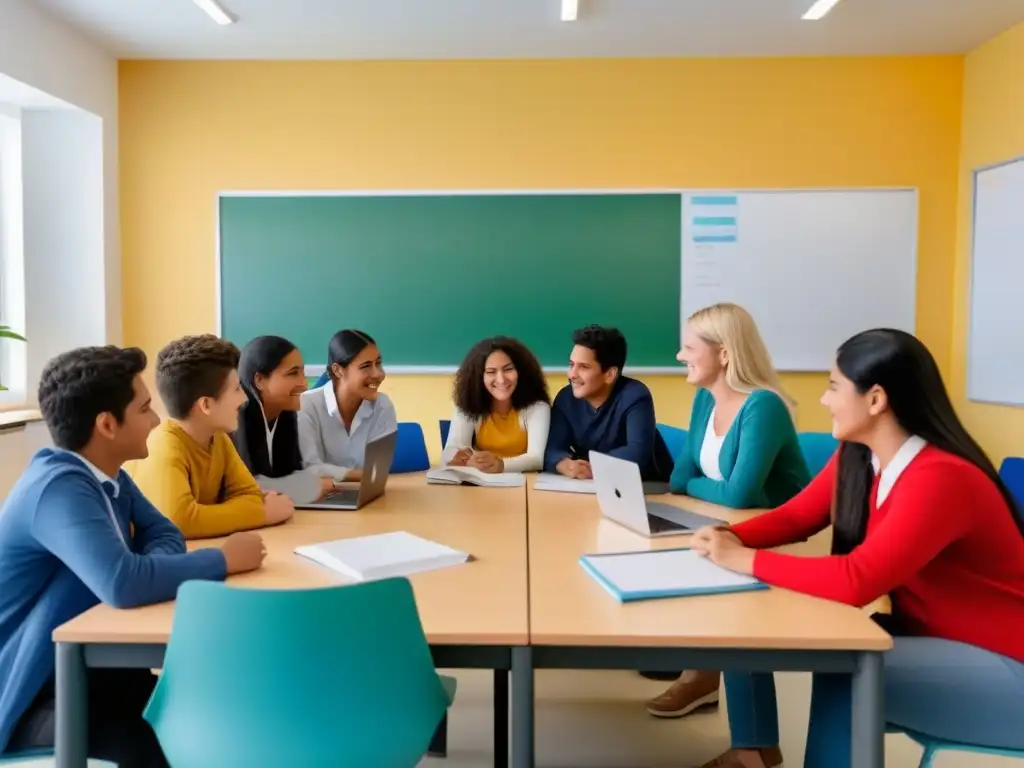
(473, 615)
(575, 623)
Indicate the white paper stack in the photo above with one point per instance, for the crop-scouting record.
(547, 481)
(473, 476)
(382, 556)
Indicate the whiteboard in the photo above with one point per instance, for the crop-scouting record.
(812, 267)
(995, 343)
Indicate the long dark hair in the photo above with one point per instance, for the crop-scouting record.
(471, 396)
(262, 356)
(344, 347)
(902, 366)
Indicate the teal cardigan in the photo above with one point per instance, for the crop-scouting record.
(761, 461)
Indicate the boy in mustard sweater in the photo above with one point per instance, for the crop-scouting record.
(194, 474)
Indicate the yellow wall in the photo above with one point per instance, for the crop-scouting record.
(993, 131)
(189, 129)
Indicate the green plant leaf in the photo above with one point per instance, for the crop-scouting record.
(7, 333)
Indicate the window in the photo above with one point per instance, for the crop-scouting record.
(12, 266)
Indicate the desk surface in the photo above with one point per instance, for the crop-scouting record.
(481, 603)
(568, 607)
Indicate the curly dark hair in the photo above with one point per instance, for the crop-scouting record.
(471, 396)
(607, 344)
(193, 367)
(77, 386)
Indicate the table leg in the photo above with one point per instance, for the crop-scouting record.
(501, 718)
(522, 707)
(72, 716)
(868, 727)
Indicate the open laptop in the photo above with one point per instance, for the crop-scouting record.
(620, 494)
(376, 468)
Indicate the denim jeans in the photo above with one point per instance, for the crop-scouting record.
(939, 688)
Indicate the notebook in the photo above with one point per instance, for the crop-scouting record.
(382, 556)
(548, 481)
(648, 575)
(473, 476)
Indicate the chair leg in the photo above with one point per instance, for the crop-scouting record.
(928, 758)
(439, 743)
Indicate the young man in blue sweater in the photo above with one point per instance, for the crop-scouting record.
(602, 410)
(75, 531)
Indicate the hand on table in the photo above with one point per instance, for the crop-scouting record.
(461, 458)
(577, 469)
(243, 552)
(277, 508)
(486, 461)
(724, 548)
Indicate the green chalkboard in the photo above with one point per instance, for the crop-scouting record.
(429, 275)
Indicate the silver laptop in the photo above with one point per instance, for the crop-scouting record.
(376, 468)
(620, 494)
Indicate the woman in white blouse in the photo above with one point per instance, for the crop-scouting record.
(502, 409)
(337, 420)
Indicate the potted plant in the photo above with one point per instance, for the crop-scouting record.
(7, 333)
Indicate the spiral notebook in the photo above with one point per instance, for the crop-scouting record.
(653, 574)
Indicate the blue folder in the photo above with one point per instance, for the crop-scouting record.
(730, 582)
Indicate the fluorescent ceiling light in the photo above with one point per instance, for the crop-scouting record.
(819, 9)
(215, 11)
(569, 9)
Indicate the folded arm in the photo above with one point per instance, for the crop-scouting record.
(461, 432)
(559, 438)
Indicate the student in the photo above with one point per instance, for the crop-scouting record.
(602, 410)
(194, 474)
(273, 377)
(918, 513)
(76, 531)
(741, 451)
(502, 410)
(337, 420)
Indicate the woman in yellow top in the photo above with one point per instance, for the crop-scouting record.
(502, 409)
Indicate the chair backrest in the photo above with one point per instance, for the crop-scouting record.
(339, 676)
(674, 437)
(1012, 473)
(324, 378)
(445, 425)
(817, 448)
(411, 449)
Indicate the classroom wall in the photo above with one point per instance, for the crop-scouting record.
(993, 131)
(189, 129)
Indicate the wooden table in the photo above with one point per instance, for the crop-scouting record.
(575, 623)
(474, 616)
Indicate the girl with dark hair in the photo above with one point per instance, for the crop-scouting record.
(272, 374)
(920, 514)
(337, 420)
(502, 409)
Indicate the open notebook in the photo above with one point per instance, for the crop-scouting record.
(647, 575)
(473, 476)
(382, 556)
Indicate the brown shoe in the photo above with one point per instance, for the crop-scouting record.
(765, 757)
(693, 690)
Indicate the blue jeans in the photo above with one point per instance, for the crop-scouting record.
(939, 688)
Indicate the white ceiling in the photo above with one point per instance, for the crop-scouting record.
(459, 29)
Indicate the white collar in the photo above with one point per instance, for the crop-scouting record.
(906, 454)
(332, 404)
(98, 473)
(270, 430)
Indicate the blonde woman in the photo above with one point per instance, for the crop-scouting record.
(741, 451)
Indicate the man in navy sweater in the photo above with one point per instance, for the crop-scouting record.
(74, 531)
(602, 410)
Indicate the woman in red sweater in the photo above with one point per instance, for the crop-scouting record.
(918, 513)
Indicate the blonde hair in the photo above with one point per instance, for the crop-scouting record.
(749, 365)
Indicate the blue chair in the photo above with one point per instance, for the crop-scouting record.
(324, 378)
(674, 437)
(1012, 473)
(817, 448)
(410, 449)
(933, 746)
(445, 425)
(264, 678)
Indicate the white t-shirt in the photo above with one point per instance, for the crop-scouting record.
(710, 449)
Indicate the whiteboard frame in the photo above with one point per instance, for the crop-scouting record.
(446, 370)
(971, 279)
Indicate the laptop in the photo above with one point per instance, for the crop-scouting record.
(376, 468)
(620, 494)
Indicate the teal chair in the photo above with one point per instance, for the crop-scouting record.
(933, 746)
(339, 677)
(675, 439)
(21, 757)
(817, 448)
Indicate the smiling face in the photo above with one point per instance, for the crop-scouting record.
(854, 413)
(280, 390)
(585, 375)
(364, 374)
(222, 411)
(500, 376)
(705, 362)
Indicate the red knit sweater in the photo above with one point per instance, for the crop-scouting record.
(943, 545)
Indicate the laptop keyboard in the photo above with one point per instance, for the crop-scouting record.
(660, 524)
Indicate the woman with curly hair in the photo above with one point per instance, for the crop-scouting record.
(502, 409)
